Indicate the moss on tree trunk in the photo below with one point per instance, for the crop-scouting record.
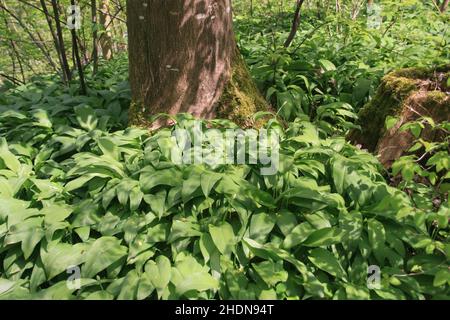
(406, 94)
(241, 98)
(393, 95)
(239, 101)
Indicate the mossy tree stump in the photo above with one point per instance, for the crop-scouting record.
(407, 94)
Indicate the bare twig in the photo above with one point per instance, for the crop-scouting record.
(12, 79)
(295, 24)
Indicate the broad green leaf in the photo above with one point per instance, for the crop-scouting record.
(184, 228)
(390, 122)
(326, 261)
(188, 275)
(356, 293)
(324, 237)
(59, 257)
(6, 285)
(377, 238)
(29, 233)
(190, 186)
(207, 246)
(102, 253)
(157, 202)
(109, 148)
(56, 213)
(37, 275)
(271, 272)
(261, 224)
(169, 177)
(223, 237)
(99, 295)
(86, 117)
(145, 287)
(8, 158)
(130, 285)
(299, 234)
(15, 211)
(442, 278)
(136, 197)
(327, 65)
(78, 182)
(159, 273)
(208, 180)
(268, 295)
(123, 191)
(286, 221)
(352, 224)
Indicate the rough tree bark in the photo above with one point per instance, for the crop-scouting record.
(183, 58)
(105, 40)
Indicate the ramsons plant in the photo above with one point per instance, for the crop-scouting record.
(425, 173)
(93, 209)
(334, 57)
(82, 193)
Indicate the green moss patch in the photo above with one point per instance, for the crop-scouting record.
(394, 93)
(241, 98)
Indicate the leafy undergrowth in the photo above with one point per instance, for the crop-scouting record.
(334, 58)
(79, 189)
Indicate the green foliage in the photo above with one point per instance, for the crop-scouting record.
(425, 171)
(27, 46)
(78, 188)
(335, 58)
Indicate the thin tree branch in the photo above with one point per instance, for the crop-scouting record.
(295, 24)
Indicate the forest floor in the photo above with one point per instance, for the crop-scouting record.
(80, 188)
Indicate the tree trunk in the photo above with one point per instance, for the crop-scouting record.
(105, 40)
(94, 35)
(61, 45)
(444, 5)
(77, 58)
(65, 71)
(183, 58)
(338, 6)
